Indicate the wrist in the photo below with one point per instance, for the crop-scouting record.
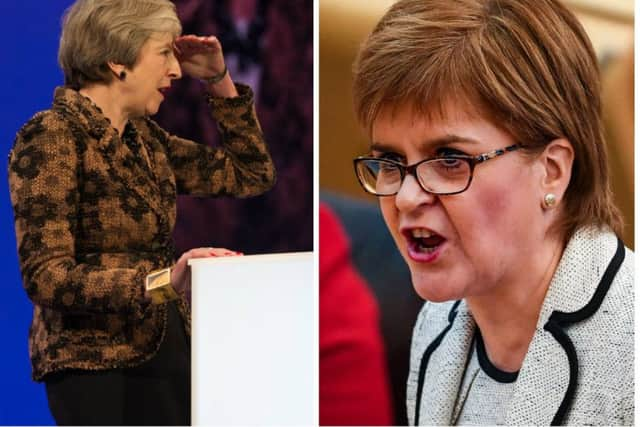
(217, 78)
(225, 88)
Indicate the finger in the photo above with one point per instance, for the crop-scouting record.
(198, 44)
(201, 252)
(207, 252)
(183, 259)
(186, 37)
(192, 253)
(223, 252)
(196, 41)
(187, 45)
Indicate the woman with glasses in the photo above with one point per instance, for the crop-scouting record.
(488, 158)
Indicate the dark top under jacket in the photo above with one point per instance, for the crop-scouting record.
(93, 219)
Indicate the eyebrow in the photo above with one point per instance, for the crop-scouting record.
(167, 45)
(434, 143)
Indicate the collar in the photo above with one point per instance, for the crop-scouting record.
(84, 112)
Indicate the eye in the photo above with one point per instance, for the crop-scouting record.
(387, 155)
(449, 151)
(387, 167)
(448, 159)
(450, 162)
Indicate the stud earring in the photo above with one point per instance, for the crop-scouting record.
(549, 200)
(122, 75)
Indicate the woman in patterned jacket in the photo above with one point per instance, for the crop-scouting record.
(93, 184)
(488, 155)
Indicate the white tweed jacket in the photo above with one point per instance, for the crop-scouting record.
(579, 366)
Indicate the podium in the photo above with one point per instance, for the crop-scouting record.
(253, 340)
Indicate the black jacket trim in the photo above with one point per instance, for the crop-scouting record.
(488, 367)
(554, 325)
(559, 319)
(561, 336)
(427, 355)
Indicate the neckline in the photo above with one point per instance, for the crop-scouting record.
(488, 367)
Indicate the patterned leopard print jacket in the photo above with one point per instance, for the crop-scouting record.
(92, 219)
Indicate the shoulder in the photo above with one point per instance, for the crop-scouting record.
(42, 123)
(594, 288)
(47, 133)
(620, 296)
(612, 323)
(604, 341)
(611, 288)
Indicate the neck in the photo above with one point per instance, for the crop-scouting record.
(507, 317)
(106, 98)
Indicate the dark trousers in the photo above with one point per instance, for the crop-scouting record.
(157, 392)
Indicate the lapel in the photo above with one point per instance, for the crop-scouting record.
(128, 171)
(445, 370)
(163, 175)
(122, 164)
(542, 382)
(544, 377)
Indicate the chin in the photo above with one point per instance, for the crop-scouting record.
(151, 111)
(436, 287)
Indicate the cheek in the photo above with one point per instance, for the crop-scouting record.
(493, 206)
(390, 215)
(489, 221)
(499, 220)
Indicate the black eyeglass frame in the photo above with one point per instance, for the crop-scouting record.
(412, 169)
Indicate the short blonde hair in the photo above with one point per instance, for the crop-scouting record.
(526, 65)
(95, 32)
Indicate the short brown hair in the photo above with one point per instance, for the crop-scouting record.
(95, 32)
(527, 65)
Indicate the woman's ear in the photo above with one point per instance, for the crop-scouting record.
(557, 162)
(118, 70)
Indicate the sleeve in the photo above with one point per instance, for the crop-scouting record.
(43, 167)
(241, 168)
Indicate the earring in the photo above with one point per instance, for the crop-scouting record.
(549, 200)
(122, 75)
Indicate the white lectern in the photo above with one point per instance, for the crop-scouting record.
(253, 335)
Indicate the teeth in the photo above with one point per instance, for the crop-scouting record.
(426, 249)
(421, 233)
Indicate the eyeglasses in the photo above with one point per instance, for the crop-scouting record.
(446, 175)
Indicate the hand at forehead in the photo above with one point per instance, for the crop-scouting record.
(191, 44)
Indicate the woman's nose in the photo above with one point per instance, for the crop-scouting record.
(175, 72)
(411, 195)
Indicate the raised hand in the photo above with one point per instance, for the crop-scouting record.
(199, 57)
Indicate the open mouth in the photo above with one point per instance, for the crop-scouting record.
(423, 244)
(163, 91)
